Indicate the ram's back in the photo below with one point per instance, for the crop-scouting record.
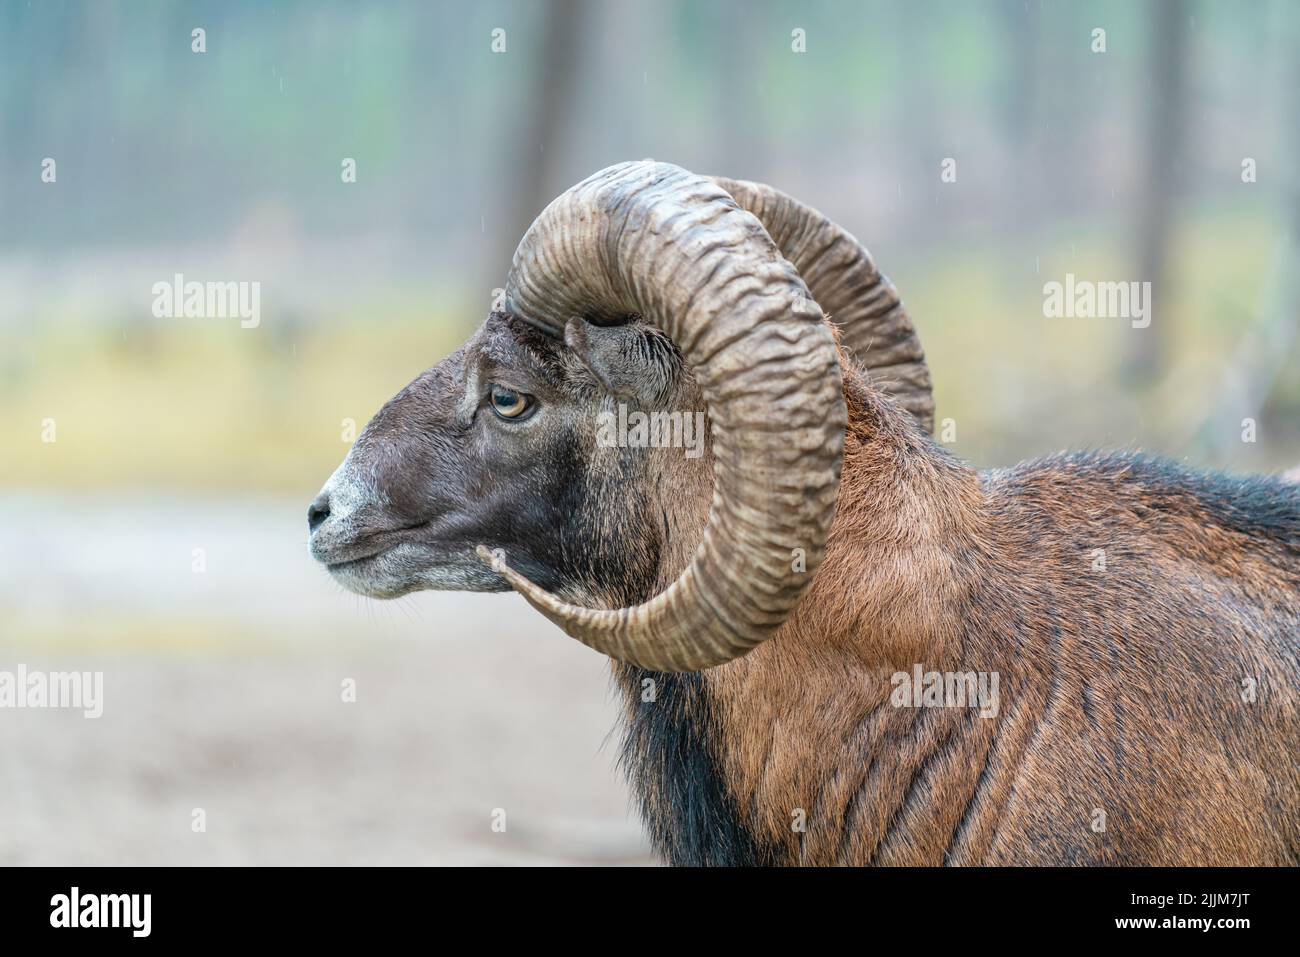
(1149, 616)
(1107, 528)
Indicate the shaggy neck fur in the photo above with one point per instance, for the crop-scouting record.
(1120, 688)
(894, 574)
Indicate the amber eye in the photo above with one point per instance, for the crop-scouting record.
(508, 404)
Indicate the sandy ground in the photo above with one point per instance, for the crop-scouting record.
(223, 690)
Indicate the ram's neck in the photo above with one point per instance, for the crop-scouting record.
(726, 761)
(903, 550)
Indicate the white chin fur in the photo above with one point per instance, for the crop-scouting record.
(407, 568)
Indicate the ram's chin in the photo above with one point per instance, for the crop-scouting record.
(409, 567)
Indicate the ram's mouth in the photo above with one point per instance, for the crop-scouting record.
(396, 568)
(344, 554)
(348, 546)
(373, 575)
(357, 562)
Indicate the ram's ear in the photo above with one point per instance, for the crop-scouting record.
(632, 361)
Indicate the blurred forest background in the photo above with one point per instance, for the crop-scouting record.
(176, 434)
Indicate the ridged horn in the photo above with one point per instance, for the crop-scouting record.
(874, 325)
(653, 240)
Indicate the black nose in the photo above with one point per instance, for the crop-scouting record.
(318, 511)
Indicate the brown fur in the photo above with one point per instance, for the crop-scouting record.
(1121, 689)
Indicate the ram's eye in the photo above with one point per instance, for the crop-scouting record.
(509, 404)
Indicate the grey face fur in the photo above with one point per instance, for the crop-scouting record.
(437, 472)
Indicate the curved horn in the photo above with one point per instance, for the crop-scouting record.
(874, 326)
(652, 239)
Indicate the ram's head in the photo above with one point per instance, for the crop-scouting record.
(523, 459)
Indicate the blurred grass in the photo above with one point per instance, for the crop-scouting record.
(145, 635)
(205, 405)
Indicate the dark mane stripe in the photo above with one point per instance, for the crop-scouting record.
(667, 755)
(1260, 506)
